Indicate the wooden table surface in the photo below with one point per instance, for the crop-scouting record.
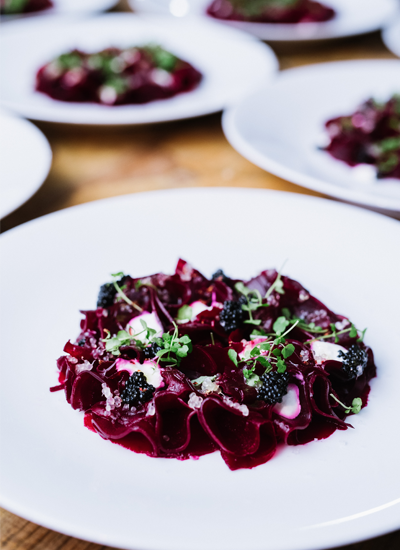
(94, 163)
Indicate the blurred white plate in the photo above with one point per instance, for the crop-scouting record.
(353, 17)
(68, 7)
(25, 160)
(391, 36)
(232, 63)
(280, 127)
(59, 474)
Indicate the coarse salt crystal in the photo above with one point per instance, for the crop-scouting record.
(242, 408)
(195, 401)
(209, 386)
(305, 356)
(303, 295)
(85, 366)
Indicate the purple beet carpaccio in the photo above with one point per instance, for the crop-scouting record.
(370, 135)
(179, 366)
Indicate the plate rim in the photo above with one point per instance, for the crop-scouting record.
(46, 160)
(26, 109)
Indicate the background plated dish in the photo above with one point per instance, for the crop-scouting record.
(220, 54)
(25, 161)
(354, 17)
(69, 7)
(326, 493)
(280, 128)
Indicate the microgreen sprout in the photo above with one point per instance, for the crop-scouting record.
(184, 313)
(356, 404)
(126, 338)
(255, 300)
(173, 344)
(277, 285)
(122, 338)
(121, 293)
(334, 333)
(322, 333)
(251, 378)
(232, 354)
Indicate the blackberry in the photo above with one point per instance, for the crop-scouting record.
(151, 351)
(108, 291)
(274, 387)
(82, 342)
(220, 276)
(137, 390)
(354, 361)
(232, 315)
(106, 295)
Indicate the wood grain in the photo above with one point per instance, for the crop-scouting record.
(94, 163)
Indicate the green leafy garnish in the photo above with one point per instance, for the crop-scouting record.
(184, 313)
(251, 378)
(113, 343)
(150, 332)
(356, 404)
(232, 354)
(280, 325)
(281, 366)
(174, 348)
(288, 350)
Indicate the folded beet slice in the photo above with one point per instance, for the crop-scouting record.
(172, 422)
(265, 451)
(229, 428)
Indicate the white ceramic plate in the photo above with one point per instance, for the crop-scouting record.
(353, 17)
(25, 160)
(68, 7)
(57, 473)
(391, 36)
(232, 63)
(279, 128)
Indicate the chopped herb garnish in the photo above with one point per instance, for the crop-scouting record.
(184, 313)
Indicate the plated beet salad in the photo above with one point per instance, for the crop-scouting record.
(12, 7)
(179, 366)
(117, 77)
(271, 11)
(371, 136)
